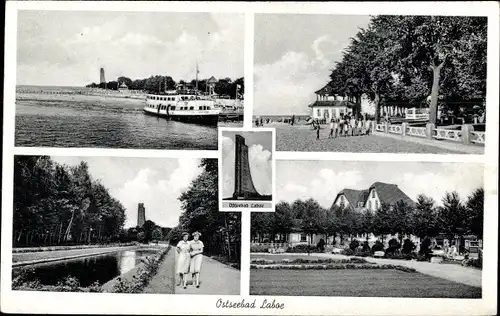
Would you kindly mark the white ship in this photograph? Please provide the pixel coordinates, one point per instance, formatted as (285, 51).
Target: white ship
(183, 104)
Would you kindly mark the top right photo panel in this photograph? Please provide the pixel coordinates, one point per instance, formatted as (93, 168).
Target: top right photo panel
(373, 84)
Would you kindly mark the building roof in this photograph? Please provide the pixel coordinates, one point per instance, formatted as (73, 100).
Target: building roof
(212, 80)
(332, 103)
(390, 194)
(327, 89)
(353, 196)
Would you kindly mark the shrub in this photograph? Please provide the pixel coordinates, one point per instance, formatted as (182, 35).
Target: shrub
(477, 263)
(408, 246)
(259, 248)
(321, 245)
(394, 246)
(354, 244)
(425, 247)
(348, 252)
(378, 246)
(361, 253)
(303, 249)
(366, 247)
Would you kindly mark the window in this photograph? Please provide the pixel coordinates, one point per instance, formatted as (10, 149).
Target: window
(370, 205)
(376, 204)
(200, 108)
(191, 107)
(172, 107)
(303, 237)
(318, 112)
(373, 193)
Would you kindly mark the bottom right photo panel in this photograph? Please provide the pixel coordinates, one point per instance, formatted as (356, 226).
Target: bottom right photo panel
(371, 229)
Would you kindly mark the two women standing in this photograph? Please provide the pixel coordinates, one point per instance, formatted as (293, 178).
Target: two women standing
(189, 258)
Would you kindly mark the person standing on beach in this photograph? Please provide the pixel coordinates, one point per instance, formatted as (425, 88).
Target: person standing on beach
(317, 131)
(293, 119)
(196, 258)
(183, 259)
(331, 128)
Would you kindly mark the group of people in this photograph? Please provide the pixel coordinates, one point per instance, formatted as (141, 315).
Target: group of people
(345, 126)
(189, 258)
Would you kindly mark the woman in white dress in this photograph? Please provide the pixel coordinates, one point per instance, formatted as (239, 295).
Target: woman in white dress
(196, 257)
(184, 259)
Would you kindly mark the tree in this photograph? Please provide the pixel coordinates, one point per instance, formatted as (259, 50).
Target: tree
(453, 217)
(313, 218)
(401, 219)
(475, 213)
(157, 234)
(381, 221)
(141, 237)
(424, 219)
(366, 224)
(283, 220)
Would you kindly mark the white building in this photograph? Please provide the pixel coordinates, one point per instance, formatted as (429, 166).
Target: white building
(329, 105)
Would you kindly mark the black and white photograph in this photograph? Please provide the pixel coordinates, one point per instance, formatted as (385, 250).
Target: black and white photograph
(145, 80)
(372, 83)
(80, 225)
(371, 229)
(246, 168)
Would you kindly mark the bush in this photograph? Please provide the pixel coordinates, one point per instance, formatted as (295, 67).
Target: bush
(259, 248)
(408, 246)
(378, 246)
(394, 246)
(476, 263)
(361, 253)
(321, 244)
(303, 249)
(348, 252)
(354, 244)
(366, 247)
(425, 248)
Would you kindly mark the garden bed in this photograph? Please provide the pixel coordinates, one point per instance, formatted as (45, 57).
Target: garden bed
(332, 266)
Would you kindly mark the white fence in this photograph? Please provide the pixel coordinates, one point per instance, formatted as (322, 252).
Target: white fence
(465, 135)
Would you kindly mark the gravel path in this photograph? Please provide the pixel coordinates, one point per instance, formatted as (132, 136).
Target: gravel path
(304, 139)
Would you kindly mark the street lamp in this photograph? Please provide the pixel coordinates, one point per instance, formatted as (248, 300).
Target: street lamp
(90, 234)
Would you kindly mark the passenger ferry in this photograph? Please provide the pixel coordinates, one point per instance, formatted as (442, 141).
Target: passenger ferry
(183, 104)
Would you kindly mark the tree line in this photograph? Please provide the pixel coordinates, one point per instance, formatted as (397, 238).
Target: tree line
(404, 59)
(59, 204)
(224, 86)
(221, 231)
(454, 218)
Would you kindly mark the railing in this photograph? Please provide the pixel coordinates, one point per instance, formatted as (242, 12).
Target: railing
(416, 131)
(395, 129)
(478, 137)
(448, 134)
(380, 127)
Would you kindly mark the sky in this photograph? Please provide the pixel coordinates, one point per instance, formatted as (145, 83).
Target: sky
(323, 180)
(259, 157)
(294, 55)
(69, 47)
(156, 182)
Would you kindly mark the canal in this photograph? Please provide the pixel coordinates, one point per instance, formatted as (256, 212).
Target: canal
(87, 270)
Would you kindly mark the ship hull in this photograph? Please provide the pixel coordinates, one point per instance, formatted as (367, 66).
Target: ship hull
(204, 119)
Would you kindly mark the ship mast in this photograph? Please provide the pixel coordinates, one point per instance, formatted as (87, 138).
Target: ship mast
(197, 71)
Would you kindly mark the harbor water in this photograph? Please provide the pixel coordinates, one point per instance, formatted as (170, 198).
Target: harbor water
(97, 122)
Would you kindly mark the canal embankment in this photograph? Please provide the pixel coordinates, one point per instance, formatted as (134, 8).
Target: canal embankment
(35, 257)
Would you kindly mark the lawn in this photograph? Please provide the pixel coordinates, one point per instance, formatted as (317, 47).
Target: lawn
(285, 256)
(357, 283)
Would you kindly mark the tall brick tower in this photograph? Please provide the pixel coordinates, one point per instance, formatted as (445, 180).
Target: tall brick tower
(243, 184)
(141, 215)
(102, 79)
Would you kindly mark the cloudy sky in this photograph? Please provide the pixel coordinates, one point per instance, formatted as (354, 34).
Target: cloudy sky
(322, 180)
(294, 55)
(156, 182)
(259, 156)
(69, 47)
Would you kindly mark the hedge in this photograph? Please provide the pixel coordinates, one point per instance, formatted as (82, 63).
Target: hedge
(307, 261)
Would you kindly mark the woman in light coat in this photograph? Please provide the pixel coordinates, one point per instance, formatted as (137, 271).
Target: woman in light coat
(196, 250)
(183, 258)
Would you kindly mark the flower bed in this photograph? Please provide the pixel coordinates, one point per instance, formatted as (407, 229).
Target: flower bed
(54, 248)
(307, 261)
(330, 266)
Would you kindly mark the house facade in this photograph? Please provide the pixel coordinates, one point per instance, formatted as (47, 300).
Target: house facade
(329, 105)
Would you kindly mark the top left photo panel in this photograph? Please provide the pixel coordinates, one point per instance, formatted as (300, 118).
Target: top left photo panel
(134, 80)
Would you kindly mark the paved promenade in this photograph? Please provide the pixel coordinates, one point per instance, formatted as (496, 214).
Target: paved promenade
(303, 138)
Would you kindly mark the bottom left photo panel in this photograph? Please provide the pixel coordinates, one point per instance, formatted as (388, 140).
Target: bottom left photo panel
(122, 225)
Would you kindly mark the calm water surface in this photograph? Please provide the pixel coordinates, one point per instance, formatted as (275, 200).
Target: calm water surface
(87, 270)
(81, 124)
